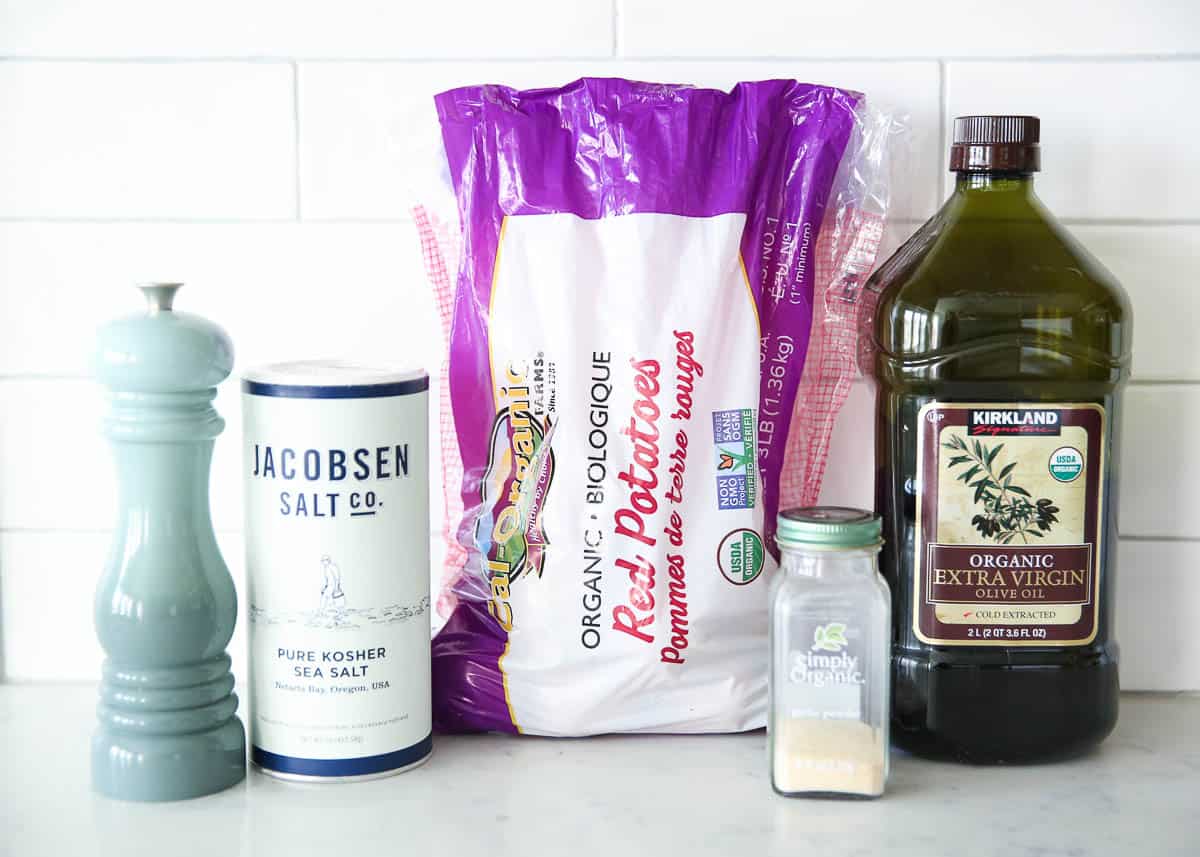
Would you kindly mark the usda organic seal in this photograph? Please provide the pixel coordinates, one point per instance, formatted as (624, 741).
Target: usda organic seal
(1066, 463)
(740, 556)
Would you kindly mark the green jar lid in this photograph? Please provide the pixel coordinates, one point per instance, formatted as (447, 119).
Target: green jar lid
(828, 528)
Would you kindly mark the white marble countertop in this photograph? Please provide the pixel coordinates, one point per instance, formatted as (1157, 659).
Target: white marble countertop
(1138, 796)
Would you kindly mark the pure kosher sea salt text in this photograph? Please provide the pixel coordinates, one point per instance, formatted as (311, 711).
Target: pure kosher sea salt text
(330, 663)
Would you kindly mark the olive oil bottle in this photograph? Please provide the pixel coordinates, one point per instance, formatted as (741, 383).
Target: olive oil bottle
(999, 348)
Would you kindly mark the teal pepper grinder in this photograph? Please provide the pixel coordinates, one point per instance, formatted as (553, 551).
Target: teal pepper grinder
(165, 605)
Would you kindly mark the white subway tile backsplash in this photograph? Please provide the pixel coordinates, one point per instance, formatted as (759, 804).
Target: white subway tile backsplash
(244, 125)
(1157, 593)
(47, 587)
(1159, 266)
(284, 291)
(370, 139)
(45, 489)
(105, 140)
(44, 576)
(850, 470)
(369, 136)
(864, 28)
(283, 28)
(1158, 471)
(1118, 138)
(58, 469)
(47, 581)
(266, 282)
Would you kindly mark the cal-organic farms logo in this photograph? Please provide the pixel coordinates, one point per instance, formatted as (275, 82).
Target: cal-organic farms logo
(512, 493)
(740, 556)
(830, 638)
(734, 449)
(1008, 510)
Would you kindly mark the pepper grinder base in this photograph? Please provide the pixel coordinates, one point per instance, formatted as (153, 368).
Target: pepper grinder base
(168, 767)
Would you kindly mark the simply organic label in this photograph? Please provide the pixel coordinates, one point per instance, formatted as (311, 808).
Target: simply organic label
(826, 672)
(1008, 524)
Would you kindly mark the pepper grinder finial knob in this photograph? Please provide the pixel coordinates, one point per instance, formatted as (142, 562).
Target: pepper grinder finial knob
(160, 297)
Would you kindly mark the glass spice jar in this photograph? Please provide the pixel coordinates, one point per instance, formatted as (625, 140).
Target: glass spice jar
(830, 656)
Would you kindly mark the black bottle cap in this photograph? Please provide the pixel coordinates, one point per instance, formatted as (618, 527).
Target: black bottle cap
(996, 144)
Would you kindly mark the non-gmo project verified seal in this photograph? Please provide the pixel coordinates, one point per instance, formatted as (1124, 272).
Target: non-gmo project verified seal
(733, 439)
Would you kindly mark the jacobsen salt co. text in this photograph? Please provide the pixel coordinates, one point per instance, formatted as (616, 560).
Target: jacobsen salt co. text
(329, 465)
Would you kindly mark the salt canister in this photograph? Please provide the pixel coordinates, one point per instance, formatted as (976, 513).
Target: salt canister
(337, 557)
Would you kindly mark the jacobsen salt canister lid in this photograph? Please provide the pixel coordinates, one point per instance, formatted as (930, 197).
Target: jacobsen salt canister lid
(333, 379)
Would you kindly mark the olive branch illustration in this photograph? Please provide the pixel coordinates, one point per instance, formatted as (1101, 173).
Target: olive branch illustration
(1008, 512)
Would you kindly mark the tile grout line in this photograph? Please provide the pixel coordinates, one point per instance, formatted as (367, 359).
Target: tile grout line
(943, 121)
(616, 29)
(1132, 383)
(1182, 56)
(67, 220)
(436, 531)
(1160, 539)
(65, 377)
(151, 221)
(1128, 221)
(296, 137)
(93, 531)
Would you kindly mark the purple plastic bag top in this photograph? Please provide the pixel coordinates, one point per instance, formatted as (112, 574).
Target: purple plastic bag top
(630, 320)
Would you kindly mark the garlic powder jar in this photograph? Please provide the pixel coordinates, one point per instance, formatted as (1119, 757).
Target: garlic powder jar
(830, 651)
